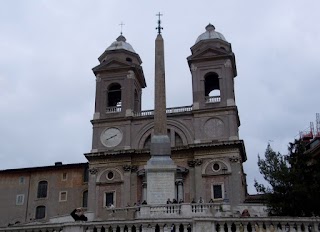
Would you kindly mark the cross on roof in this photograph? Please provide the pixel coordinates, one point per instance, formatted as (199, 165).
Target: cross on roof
(121, 24)
(159, 28)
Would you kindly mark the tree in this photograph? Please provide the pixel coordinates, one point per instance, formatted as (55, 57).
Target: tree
(294, 181)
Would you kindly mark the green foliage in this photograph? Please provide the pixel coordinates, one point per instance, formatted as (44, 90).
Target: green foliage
(294, 181)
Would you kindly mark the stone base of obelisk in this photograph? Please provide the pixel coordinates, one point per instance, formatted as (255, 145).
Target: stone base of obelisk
(160, 172)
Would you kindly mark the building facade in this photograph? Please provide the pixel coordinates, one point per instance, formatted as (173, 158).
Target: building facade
(38, 194)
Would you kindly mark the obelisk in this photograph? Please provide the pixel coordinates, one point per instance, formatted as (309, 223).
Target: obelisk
(160, 168)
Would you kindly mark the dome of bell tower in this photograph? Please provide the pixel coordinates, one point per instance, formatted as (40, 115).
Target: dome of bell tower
(120, 43)
(210, 33)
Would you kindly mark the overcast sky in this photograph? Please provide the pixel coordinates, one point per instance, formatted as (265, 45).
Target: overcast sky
(48, 48)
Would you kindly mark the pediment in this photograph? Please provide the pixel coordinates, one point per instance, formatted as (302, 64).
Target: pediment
(112, 64)
(210, 52)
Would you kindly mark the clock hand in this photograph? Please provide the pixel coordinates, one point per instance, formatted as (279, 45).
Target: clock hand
(111, 137)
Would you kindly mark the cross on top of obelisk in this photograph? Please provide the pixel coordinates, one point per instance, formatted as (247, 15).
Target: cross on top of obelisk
(121, 25)
(159, 28)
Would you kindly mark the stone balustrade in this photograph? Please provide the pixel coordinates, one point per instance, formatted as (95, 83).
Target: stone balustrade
(215, 217)
(197, 224)
(171, 110)
(213, 99)
(113, 109)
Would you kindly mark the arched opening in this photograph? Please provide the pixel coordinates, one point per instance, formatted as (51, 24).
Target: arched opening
(212, 87)
(114, 95)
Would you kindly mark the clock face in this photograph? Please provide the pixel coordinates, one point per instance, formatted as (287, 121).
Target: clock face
(111, 137)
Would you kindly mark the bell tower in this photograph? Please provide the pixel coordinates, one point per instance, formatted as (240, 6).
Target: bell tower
(120, 80)
(119, 84)
(213, 68)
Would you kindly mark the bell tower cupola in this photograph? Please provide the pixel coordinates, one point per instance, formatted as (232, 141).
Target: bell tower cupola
(119, 81)
(213, 67)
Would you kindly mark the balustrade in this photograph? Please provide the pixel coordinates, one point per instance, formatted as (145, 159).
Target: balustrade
(213, 99)
(168, 111)
(229, 224)
(113, 109)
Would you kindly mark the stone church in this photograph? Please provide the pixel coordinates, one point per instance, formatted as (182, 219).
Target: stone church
(141, 160)
(204, 141)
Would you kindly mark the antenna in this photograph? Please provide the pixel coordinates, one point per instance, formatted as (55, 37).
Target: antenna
(318, 125)
(311, 128)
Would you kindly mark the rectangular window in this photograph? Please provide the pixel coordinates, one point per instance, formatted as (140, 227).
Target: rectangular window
(109, 199)
(63, 196)
(21, 180)
(20, 199)
(64, 176)
(85, 199)
(217, 191)
(42, 189)
(86, 174)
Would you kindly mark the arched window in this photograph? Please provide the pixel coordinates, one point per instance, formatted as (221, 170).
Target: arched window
(212, 87)
(114, 95)
(40, 212)
(42, 189)
(85, 199)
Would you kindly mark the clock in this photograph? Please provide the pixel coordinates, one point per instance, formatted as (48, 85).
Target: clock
(111, 137)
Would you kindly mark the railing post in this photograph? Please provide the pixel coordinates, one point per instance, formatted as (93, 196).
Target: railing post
(316, 226)
(229, 225)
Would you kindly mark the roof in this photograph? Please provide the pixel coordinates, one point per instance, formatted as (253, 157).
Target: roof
(58, 165)
(120, 43)
(210, 33)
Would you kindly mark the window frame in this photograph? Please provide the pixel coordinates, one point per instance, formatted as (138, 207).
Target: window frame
(40, 195)
(60, 196)
(85, 201)
(105, 198)
(22, 199)
(21, 180)
(37, 212)
(222, 191)
(64, 176)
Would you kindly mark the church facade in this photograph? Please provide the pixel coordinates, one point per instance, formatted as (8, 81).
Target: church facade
(204, 138)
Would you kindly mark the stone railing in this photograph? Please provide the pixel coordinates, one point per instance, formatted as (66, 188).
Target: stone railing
(213, 99)
(174, 217)
(113, 109)
(171, 110)
(197, 224)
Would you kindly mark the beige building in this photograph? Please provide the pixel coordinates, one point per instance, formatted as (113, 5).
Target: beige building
(40, 193)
